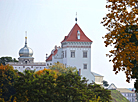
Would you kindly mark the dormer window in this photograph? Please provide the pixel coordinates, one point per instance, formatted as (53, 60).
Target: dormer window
(78, 34)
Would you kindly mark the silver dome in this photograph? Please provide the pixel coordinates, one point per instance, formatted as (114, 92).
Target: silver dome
(25, 51)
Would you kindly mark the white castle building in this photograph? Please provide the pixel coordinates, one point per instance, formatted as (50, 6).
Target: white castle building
(26, 61)
(75, 51)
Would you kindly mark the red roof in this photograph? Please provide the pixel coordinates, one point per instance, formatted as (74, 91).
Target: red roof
(50, 57)
(72, 36)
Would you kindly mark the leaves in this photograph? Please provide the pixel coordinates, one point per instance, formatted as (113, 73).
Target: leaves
(3, 60)
(7, 79)
(61, 68)
(47, 85)
(121, 22)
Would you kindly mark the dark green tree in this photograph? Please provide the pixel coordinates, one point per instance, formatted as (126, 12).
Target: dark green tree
(43, 86)
(35, 88)
(105, 95)
(3, 60)
(71, 88)
(105, 83)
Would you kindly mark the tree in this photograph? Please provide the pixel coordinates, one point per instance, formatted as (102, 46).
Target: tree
(121, 23)
(3, 60)
(71, 88)
(35, 87)
(105, 83)
(60, 67)
(7, 80)
(44, 85)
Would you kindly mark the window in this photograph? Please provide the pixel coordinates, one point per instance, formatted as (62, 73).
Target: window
(50, 63)
(84, 66)
(65, 54)
(84, 54)
(72, 54)
(47, 64)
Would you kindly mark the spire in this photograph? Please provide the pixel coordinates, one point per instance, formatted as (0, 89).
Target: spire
(26, 38)
(76, 17)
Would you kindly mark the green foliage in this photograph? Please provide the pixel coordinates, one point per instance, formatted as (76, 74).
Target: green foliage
(68, 87)
(7, 79)
(105, 83)
(62, 68)
(46, 85)
(35, 88)
(7, 59)
(117, 96)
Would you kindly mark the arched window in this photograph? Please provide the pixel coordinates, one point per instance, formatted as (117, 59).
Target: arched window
(27, 68)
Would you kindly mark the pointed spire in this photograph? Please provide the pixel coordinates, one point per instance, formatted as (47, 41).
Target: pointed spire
(26, 38)
(76, 17)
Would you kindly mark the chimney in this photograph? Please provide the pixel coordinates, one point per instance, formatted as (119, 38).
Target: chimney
(79, 71)
(46, 55)
(55, 47)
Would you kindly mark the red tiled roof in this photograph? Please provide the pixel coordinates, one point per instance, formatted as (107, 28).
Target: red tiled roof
(72, 36)
(50, 57)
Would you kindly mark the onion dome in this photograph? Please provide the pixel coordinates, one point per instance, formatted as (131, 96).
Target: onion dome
(25, 51)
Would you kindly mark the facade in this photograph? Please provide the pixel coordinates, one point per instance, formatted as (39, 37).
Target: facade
(75, 51)
(98, 78)
(26, 61)
(130, 95)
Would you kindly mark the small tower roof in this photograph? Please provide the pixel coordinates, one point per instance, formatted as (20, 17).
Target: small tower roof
(72, 36)
(26, 51)
(50, 57)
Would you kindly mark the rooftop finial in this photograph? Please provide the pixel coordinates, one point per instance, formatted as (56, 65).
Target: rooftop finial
(26, 38)
(76, 17)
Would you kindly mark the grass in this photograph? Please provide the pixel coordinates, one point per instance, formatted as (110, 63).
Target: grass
(117, 96)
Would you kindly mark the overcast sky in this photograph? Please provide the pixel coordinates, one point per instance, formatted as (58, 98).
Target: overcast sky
(47, 22)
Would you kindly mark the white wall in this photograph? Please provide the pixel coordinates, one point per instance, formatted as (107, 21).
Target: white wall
(21, 68)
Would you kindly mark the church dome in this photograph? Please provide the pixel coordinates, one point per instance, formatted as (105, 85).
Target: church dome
(25, 51)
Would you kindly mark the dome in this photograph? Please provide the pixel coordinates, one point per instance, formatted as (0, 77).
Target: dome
(25, 51)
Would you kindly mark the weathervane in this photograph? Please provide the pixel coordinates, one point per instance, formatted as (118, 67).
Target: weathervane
(76, 17)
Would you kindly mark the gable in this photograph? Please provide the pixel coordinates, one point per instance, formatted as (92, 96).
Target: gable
(112, 87)
(72, 36)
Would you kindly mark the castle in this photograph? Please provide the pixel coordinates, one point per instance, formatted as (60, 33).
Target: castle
(75, 51)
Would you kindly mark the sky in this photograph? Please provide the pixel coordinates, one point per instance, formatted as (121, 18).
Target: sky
(47, 22)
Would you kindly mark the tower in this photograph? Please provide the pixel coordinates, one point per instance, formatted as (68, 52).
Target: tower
(26, 61)
(75, 51)
(25, 54)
